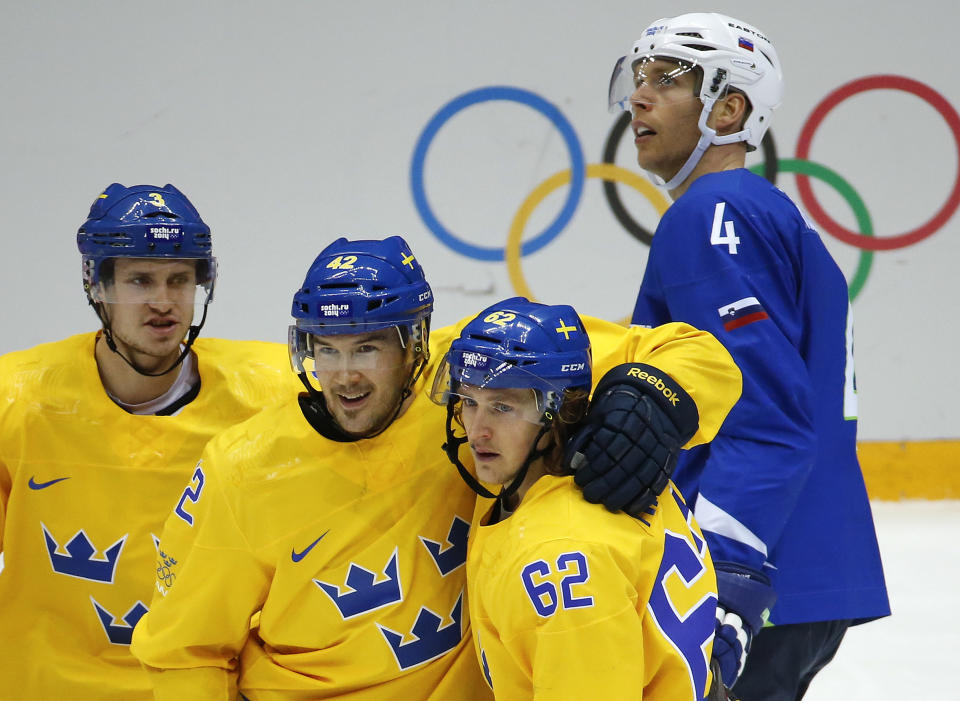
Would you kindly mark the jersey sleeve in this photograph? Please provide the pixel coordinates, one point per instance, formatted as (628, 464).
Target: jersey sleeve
(727, 270)
(694, 358)
(209, 584)
(571, 612)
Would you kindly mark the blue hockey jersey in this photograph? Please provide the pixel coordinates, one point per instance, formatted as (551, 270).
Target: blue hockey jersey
(780, 488)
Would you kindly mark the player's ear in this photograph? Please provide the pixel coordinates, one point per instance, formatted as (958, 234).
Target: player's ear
(729, 113)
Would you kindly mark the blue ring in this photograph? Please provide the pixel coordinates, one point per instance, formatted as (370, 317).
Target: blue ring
(511, 94)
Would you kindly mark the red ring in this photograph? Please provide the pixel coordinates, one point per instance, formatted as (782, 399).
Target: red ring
(877, 82)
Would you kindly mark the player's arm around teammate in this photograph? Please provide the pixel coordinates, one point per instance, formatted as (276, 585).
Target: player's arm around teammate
(318, 517)
(567, 600)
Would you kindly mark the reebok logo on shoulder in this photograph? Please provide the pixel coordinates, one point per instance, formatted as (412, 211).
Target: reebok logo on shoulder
(33, 484)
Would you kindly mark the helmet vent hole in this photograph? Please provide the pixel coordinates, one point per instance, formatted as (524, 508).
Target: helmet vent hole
(696, 35)
(699, 47)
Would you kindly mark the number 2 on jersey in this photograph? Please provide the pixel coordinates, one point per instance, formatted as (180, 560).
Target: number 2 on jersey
(191, 494)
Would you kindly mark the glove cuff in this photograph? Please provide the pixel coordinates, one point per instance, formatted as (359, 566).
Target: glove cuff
(746, 593)
(673, 399)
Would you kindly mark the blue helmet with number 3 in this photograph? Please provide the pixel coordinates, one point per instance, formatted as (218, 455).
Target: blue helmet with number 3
(143, 221)
(517, 343)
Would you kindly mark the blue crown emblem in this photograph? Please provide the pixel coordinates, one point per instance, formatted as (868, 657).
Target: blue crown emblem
(362, 592)
(80, 561)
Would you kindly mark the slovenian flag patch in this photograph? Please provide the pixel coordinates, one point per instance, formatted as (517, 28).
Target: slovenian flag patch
(742, 312)
(745, 43)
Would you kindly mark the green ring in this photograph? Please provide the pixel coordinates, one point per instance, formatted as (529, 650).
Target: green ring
(846, 191)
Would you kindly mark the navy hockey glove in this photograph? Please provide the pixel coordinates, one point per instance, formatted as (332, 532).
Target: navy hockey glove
(626, 448)
(744, 600)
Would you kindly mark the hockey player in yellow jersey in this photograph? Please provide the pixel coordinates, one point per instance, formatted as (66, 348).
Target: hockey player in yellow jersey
(319, 551)
(98, 433)
(568, 601)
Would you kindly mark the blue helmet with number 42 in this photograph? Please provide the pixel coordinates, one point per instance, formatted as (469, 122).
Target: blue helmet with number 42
(362, 286)
(519, 344)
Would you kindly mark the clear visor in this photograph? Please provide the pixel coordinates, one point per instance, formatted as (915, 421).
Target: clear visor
(647, 79)
(500, 391)
(161, 283)
(378, 349)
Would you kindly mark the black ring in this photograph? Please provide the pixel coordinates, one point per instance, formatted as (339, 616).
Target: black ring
(771, 167)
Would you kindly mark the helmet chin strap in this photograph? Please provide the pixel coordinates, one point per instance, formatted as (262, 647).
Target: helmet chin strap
(452, 449)
(192, 334)
(708, 137)
(421, 352)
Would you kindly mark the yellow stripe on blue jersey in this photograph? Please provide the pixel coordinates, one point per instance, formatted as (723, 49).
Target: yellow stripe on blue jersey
(569, 601)
(84, 490)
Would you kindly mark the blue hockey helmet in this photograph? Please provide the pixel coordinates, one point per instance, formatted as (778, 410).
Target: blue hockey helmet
(520, 344)
(361, 286)
(144, 221)
(516, 344)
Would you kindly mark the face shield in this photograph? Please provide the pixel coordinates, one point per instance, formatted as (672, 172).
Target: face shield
(318, 349)
(647, 79)
(480, 385)
(178, 286)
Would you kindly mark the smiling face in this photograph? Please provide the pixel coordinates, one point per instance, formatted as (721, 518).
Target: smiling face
(362, 377)
(501, 426)
(665, 114)
(150, 305)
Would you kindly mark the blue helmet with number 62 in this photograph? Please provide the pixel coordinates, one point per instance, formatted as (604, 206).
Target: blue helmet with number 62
(520, 344)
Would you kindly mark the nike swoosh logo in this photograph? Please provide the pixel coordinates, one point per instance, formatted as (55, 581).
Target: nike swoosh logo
(297, 556)
(33, 484)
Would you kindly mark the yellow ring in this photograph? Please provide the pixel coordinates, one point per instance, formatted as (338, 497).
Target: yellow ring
(604, 171)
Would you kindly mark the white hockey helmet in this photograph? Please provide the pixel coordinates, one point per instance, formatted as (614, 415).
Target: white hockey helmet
(730, 54)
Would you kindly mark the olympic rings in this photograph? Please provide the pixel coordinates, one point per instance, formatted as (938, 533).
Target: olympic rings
(510, 94)
(877, 82)
(846, 191)
(608, 172)
(633, 227)
(611, 174)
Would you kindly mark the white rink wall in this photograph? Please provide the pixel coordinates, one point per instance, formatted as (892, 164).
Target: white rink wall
(290, 123)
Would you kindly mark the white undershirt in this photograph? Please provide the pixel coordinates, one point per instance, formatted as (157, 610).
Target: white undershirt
(186, 379)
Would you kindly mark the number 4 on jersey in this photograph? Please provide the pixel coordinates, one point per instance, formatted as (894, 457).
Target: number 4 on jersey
(722, 232)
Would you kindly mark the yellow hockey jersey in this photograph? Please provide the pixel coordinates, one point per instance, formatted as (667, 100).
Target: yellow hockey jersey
(348, 556)
(84, 490)
(569, 601)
